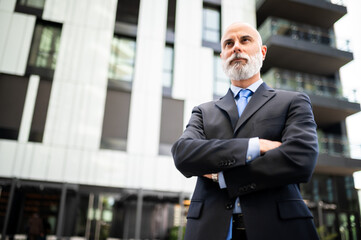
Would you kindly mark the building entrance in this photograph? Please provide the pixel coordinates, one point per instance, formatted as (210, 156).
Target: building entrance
(22, 201)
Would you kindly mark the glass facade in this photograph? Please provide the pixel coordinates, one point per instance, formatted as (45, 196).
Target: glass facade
(211, 24)
(89, 212)
(168, 64)
(221, 82)
(171, 125)
(104, 213)
(171, 15)
(334, 204)
(33, 7)
(116, 119)
(40, 111)
(45, 46)
(122, 59)
(338, 2)
(304, 82)
(32, 3)
(304, 32)
(333, 144)
(12, 93)
(128, 11)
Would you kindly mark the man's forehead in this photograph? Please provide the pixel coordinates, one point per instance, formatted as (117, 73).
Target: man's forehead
(238, 30)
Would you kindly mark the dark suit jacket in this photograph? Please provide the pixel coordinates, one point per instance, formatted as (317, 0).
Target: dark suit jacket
(217, 140)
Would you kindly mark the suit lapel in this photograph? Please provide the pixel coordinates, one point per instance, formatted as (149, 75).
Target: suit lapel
(228, 105)
(262, 95)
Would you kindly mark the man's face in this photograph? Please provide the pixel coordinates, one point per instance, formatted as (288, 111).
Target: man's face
(242, 53)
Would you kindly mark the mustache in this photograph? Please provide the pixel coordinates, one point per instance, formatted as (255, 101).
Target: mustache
(237, 55)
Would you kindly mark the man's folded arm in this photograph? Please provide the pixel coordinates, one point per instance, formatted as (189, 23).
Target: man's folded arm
(194, 155)
(292, 162)
(253, 152)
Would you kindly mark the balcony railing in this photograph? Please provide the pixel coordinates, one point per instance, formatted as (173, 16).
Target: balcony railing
(333, 144)
(336, 2)
(303, 32)
(303, 82)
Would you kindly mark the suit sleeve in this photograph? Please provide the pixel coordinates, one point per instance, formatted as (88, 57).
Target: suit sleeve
(194, 155)
(291, 163)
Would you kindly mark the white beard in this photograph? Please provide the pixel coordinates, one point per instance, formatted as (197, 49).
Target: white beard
(237, 71)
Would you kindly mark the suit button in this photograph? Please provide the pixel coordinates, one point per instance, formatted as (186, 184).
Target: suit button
(229, 206)
(253, 186)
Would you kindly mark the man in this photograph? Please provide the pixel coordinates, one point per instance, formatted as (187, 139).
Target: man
(35, 227)
(250, 152)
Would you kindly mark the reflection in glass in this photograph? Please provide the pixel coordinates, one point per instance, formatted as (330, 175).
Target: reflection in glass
(343, 226)
(122, 58)
(211, 24)
(33, 3)
(45, 46)
(221, 81)
(168, 67)
(301, 32)
(303, 82)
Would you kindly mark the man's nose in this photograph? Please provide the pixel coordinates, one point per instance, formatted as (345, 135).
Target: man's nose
(237, 47)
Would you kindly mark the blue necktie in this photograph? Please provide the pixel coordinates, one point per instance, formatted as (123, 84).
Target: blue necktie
(242, 100)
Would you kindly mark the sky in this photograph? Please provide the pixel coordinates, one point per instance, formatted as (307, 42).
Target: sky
(348, 28)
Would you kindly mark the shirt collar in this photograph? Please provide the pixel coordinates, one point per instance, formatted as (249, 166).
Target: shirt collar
(253, 87)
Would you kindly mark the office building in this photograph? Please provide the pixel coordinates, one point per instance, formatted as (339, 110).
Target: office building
(93, 93)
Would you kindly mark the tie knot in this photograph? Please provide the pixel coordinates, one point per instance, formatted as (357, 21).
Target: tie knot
(244, 93)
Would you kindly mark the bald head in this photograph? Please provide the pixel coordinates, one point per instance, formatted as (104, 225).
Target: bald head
(246, 28)
(242, 54)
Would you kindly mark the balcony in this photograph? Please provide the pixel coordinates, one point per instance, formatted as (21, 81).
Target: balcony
(333, 144)
(334, 155)
(329, 104)
(303, 47)
(324, 12)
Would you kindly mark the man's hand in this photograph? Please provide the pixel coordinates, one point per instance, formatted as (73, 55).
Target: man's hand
(266, 145)
(212, 176)
(208, 176)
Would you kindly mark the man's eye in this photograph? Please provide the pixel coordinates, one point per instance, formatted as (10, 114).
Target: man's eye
(228, 43)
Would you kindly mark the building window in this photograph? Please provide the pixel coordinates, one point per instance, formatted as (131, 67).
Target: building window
(12, 99)
(221, 81)
(40, 111)
(116, 119)
(168, 68)
(211, 24)
(171, 20)
(171, 124)
(128, 11)
(44, 49)
(121, 66)
(34, 7)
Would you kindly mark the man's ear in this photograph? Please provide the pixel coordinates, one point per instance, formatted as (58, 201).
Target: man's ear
(264, 51)
(220, 54)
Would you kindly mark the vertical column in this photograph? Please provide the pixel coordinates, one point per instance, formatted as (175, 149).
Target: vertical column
(59, 228)
(77, 98)
(8, 5)
(29, 106)
(14, 182)
(15, 39)
(138, 216)
(193, 64)
(181, 203)
(145, 107)
(238, 10)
